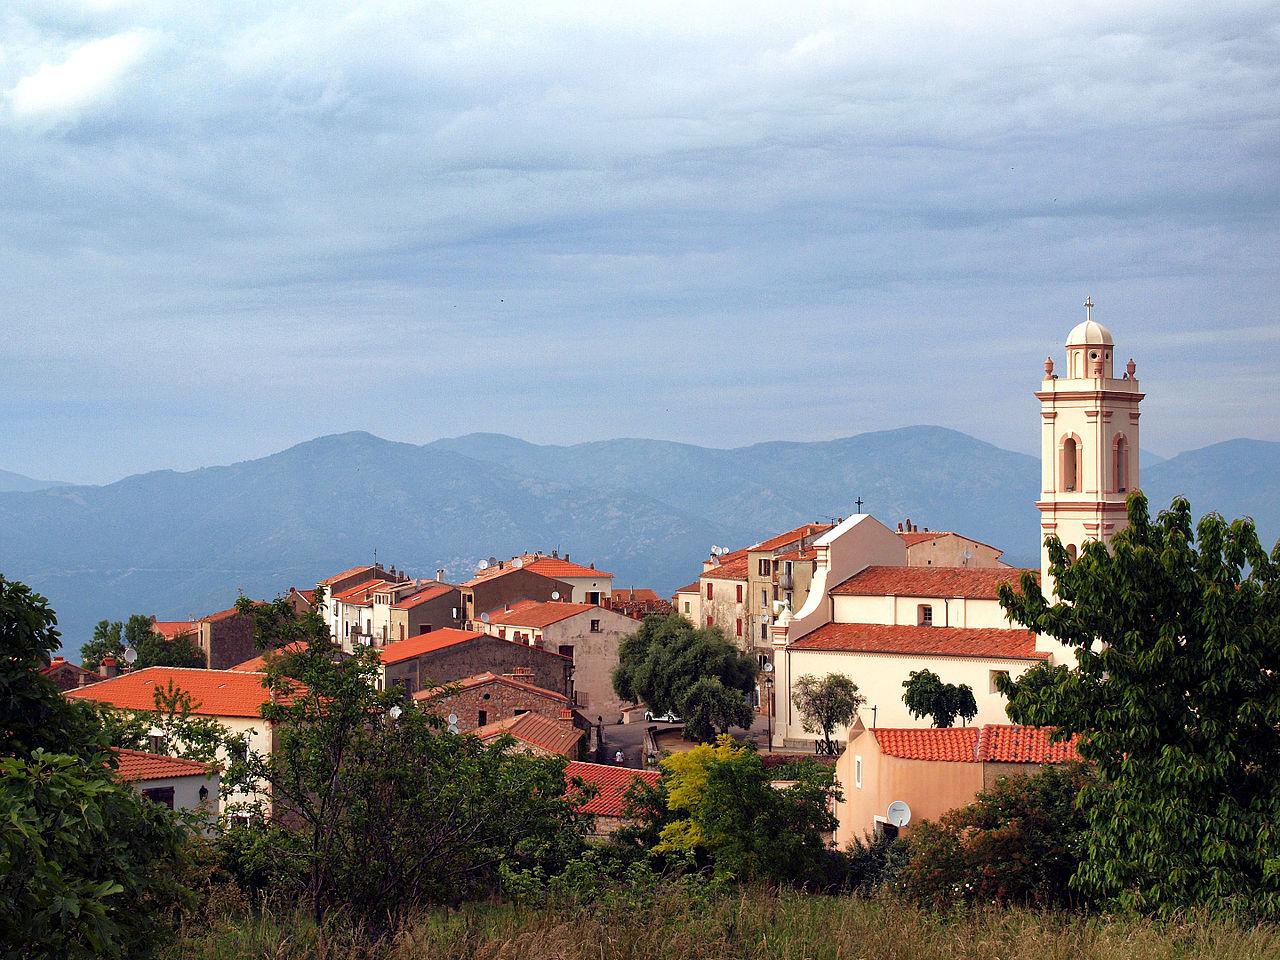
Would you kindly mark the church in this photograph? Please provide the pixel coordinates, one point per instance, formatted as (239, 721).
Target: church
(870, 615)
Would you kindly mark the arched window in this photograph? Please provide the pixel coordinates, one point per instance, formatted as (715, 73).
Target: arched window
(1071, 552)
(1070, 464)
(1122, 463)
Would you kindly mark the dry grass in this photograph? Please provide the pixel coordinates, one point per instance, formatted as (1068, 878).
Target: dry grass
(753, 926)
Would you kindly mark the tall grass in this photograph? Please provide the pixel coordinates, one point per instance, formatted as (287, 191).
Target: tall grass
(751, 926)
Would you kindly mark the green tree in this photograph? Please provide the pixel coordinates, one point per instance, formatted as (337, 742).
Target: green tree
(375, 809)
(1176, 695)
(826, 704)
(709, 707)
(182, 732)
(1018, 843)
(662, 663)
(927, 696)
(87, 867)
(107, 641)
(725, 812)
(156, 650)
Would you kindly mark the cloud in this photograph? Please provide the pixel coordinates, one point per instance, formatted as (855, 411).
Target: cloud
(87, 76)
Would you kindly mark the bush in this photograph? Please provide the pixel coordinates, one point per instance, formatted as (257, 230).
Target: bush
(1018, 843)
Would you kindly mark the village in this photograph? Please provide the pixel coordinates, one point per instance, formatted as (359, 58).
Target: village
(525, 652)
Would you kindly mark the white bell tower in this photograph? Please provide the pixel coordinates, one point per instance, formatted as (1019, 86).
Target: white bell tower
(1089, 445)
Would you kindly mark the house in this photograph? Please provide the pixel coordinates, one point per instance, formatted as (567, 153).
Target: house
(538, 735)
(779, 571)
(176, 784)
(66, 675)
(942, 548)
(687, 601)
(587, 634)
(225, 637)
(448, 655)
(931, 770)
(722, 597)
(488, 697)
(500, 585)
(428, 605)
(300, 601)
(233, 698)
(639, 603)
(610, 785)
(344, 582)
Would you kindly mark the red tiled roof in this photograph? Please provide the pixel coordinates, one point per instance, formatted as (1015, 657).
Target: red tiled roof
(640, 595)
(362, 595)
(1009, 743)
(259, 663)
(363, 568)
(985, 642)
(992, 743)
(611, 783)
(538, 614)
(807, 530)
(971, 583)
(559, 568)
(912, 537)
(691, 588)
(808, 553)
(214, 693)
(430, 592)
(169, 629)
(134, 765)
(537, 730)
(61, 663)
(732, 566)
(225, 614)
(480, 679)
(424, 643)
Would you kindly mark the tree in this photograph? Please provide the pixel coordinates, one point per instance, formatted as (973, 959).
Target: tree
(1018, 843)
(928, 696)
(375, 808)
(662, 662)
(87, 867)
(1175, 693)
(107, 641)
(183, 733)
(724, 811)
(826, 704)
(710, 708)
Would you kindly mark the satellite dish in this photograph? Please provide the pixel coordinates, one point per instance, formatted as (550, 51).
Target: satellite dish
(517, 563)
(899, 813)
(482, 565)
(768, 666)
(493, 561)
(484, 618)
(131, 656)
(555, 594)
(453, 719)
(453, 728)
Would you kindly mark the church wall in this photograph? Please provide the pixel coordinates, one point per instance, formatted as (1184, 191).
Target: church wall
(947, 611)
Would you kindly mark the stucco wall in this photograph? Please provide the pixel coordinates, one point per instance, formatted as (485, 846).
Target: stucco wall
(948, 550)
(186, 792)
(947, 611)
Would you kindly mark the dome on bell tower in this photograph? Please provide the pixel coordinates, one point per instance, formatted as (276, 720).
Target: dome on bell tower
(1089, 333)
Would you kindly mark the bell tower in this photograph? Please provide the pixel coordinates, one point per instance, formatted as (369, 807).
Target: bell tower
(1089, 442)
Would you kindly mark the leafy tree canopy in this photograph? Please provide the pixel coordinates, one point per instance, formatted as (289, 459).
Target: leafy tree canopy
(927, 696)
(1176, 694)
(154, 650)
(662, 663)
(826, 703)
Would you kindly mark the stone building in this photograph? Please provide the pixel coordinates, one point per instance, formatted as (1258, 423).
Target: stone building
(447, 655)
(489, 697)
(501, 586)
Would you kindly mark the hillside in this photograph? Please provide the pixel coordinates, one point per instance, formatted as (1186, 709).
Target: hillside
(182, 544)
(16, 483)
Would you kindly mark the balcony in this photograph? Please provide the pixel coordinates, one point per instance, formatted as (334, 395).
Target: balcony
(786, 581)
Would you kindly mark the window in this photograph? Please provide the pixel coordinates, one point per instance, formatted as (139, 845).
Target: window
(710, 589)
(857, 772)
(424, 628)
(156, 743)
(686, 607)
(710, 622)
(502, 633)
(924, 615)
(593, 598)
(595, 626)
(519, 712)
(995, 676)
(764, 631)
(765, 568)
(566, 650)
(482, 718)
(1122, 464)
(1070, 465)
(764, 598)
(1071, 552)
(787, 568)
(762, 659)
(160, 795)
(737, 627)
(739, 594)
(789, 604)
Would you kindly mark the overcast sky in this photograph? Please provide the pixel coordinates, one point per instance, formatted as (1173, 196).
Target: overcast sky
(223, 232)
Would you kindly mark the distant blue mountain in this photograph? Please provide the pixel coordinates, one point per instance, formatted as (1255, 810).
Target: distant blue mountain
(17, 483)
(184, 544)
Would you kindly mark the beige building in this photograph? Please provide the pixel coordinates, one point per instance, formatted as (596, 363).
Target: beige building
(942, 548)
(588, 635)
(585, 584)
(779, 571)
(931, 771)
(177, 784)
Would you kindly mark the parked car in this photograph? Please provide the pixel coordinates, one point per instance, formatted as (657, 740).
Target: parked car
(668, 717)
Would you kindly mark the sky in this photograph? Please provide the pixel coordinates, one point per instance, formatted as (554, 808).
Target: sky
(228, 228)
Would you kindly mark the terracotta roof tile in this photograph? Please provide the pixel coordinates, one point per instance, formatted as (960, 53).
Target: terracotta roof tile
(640, 595)
(430, 592)
(536, 730)
(987, 643)
(363, 568)
(611, 782)
(732, 566)
(912, 537)
(134, 765)
(559, 568)
(690, 588)
(806, 530)
(537, 614)
(362, 595)
(169, 629)
(992, 743)
(425, 643)
(480, 679)
(971, 583)
(259, 663)
(215, 693)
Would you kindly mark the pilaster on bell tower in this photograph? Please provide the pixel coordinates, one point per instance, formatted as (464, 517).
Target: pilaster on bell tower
(1089, 442)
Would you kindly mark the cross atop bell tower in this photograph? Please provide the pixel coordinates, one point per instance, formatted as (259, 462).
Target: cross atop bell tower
(1089, 442)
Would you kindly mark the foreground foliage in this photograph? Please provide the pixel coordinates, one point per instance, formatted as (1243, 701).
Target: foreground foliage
(1176, 695)
(671, 922)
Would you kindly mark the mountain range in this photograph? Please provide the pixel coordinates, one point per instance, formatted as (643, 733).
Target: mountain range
(185, 544)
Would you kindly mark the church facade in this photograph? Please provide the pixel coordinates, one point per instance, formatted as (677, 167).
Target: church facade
(873, 618)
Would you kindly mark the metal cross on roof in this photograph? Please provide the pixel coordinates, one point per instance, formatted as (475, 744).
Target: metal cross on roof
(858, 504)
(1088, 308)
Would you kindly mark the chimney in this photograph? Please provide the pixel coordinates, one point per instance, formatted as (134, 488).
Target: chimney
(908, 524)
(592, 564)
(900, 526)
(566, 558)
(440, 575)
(57, 661)
(108, 666)
(555, 554)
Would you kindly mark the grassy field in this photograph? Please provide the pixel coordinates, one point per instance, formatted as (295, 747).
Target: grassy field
(755, 925)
